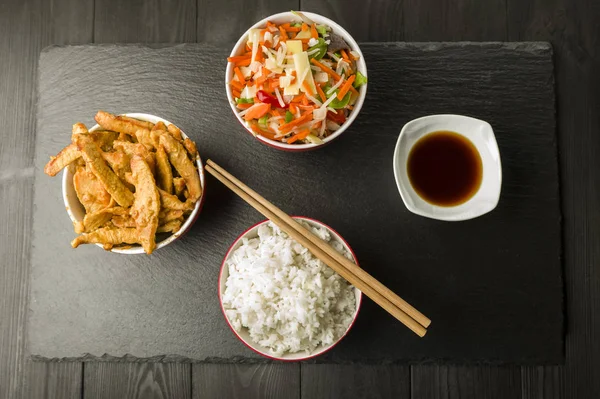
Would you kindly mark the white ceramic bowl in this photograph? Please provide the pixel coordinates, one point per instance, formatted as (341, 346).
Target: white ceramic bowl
(243, 335)
(77, 212)
(289, 17)
(481, 134)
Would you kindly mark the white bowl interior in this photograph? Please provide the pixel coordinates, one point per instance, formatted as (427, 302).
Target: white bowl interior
(481, 134)
(76, 211)
(289, 17)
(244, 335)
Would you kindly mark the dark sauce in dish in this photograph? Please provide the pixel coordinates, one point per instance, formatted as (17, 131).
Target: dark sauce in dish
(445, 168)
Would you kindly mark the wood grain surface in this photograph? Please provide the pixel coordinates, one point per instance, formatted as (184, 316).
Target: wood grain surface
(445, 382)
(54, 380)
(106, 380)
(222, 22)
(366, 21)
(246, 381)
(572, 26)
(357, 381)
(426, 20)
(143, 21)
(25, 28)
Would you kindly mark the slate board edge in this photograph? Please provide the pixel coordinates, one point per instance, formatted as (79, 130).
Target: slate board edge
(528, 45)
(541, 47)
(245, 360)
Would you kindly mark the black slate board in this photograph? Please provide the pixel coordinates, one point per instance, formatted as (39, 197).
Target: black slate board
(492, 286)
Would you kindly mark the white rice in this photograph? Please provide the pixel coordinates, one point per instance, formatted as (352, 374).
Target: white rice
(286, 298)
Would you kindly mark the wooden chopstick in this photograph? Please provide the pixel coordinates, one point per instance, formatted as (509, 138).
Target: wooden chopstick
(360, 273)
(345, 268)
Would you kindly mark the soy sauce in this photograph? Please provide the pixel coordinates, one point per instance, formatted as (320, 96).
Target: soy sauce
(445, 168)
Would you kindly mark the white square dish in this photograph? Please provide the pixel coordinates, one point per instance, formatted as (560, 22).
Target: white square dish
(481, 134)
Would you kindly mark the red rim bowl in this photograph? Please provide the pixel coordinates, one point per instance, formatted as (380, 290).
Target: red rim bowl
(283, 18)
(244, 336)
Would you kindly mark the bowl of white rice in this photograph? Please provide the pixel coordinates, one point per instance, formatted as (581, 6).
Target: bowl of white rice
(279, 299)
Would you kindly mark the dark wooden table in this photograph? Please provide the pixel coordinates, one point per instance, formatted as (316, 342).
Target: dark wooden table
(27, 26)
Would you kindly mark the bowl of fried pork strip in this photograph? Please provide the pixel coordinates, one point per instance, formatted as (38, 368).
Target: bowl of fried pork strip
(133, 183)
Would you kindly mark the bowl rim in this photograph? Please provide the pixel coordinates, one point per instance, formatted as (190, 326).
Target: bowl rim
(264, 354)
(362, 66)
(189, 221)
(459, 212)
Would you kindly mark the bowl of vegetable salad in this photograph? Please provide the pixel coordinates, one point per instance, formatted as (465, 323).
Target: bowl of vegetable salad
(296, 81)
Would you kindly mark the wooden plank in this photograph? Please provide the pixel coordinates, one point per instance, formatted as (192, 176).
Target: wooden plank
(49, 380)
(26, 26)
(434, 20)
(245, 381)
(15, 230)
(542, 382)
(374, 21)
(457, 382)
(141, 21)
(224, 22)
(136, 380)
(572, 28)
(355, 381)
(450, 20)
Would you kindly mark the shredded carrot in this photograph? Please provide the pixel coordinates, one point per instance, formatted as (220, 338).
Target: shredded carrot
(261, 132)
(353, 90)
(296, 122)
(267, 87)
(284, 35)
(258, 111)
(248, 48)
(236, 93)
(353, 57)
(307, 88)
(304, 46)
(304, 27)
(298, 98)
(313, 31)
(237, 85)
(263, 31)
(350, 107)
(321, 93)
(299, 136)
(244, 106)
(290, 28)
(306, 108)
(275, 112)
(244, 63)
(239, 74)
(304, 100)
(344, 55)
(259, 56)
(271, 24)
(238, 58)
(293, 108)
(261, 80)
(345, 87)
(274, 82)
(329, 71)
